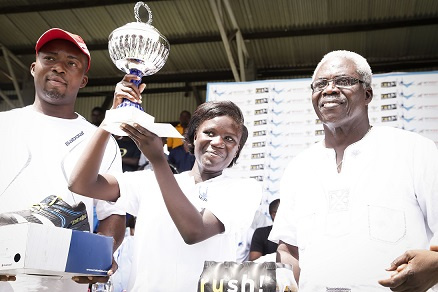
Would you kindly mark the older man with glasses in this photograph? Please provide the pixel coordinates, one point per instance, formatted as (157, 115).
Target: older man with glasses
(359, 210)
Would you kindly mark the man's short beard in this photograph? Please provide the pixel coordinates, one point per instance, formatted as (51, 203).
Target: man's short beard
(54, 94)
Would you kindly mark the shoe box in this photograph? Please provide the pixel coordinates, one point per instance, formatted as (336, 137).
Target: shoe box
(36, 249)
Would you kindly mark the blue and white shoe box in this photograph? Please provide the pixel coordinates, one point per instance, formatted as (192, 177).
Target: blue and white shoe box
(36, 249)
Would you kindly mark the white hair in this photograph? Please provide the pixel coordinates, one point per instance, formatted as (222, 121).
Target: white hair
(363, 69)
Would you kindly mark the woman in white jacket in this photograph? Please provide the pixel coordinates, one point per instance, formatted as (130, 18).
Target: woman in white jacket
(182, 219)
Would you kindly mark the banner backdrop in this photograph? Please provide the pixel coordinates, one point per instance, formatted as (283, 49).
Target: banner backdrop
(281, 121)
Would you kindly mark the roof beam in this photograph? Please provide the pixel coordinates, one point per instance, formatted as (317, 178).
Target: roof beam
(38, 7)
(281, 33)
(12, 73)
(214, 4)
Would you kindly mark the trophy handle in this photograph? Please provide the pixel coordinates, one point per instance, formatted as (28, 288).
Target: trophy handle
(137, 17)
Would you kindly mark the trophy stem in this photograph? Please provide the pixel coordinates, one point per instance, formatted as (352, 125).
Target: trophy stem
(137, 72)
(127, 102)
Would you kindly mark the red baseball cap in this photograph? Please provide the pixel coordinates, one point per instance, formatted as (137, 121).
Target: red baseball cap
(57, 33)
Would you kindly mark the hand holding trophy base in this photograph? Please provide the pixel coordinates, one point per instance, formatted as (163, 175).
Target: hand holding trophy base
(130, 115)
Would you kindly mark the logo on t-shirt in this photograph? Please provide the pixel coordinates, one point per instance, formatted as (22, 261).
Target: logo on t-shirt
(203, 193)
(123, 151)
(74, 138)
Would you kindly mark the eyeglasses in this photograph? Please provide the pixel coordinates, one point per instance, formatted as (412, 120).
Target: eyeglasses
(338, 81)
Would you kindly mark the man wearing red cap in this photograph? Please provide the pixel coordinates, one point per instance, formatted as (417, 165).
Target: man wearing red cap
(44, 141)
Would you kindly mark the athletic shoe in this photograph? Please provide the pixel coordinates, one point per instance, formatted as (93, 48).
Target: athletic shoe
(53, 211)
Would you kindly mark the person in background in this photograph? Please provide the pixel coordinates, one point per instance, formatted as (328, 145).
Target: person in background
(44, 141)
(354, 202)
(260, 245)
(130, 153)
(97, 115)
(182, 219)
(179, 156)
(184, 119)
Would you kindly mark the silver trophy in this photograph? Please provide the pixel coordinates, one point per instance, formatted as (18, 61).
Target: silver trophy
(136, 48)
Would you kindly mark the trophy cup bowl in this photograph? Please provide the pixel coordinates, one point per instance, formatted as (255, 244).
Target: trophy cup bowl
(136, 48)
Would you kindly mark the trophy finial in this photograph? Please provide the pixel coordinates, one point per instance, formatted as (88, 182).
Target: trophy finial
(137, 16)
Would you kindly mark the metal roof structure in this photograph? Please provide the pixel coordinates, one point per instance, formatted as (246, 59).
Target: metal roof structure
(224, 40)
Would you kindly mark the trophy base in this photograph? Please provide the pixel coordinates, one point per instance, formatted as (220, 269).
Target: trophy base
(130, 115)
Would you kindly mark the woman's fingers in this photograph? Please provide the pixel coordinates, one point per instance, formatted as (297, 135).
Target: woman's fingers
(126, 89)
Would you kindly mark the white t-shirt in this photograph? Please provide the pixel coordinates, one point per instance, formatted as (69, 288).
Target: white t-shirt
(162, 261)
(38, 155)
(350, 226)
